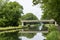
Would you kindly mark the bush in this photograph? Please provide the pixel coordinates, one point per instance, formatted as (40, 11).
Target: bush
(9, 36)
(54, 35)
(51, 27)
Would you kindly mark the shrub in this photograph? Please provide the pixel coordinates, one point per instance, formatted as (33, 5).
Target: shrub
(54, 35)
(9, 36)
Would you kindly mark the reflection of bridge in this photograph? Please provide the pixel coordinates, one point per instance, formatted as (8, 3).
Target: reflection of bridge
(33, 31)
(20, 30)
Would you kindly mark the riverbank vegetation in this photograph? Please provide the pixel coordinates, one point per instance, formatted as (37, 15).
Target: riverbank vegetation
(53, 34)
(10, 13)
(10, 16)
(51, 10)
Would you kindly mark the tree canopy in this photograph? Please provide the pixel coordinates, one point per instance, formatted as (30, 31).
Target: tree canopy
(51, 9)
(3, 2)
(29, 16)
(10, 14)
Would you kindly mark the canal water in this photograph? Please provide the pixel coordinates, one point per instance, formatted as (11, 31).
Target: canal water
(38, 36)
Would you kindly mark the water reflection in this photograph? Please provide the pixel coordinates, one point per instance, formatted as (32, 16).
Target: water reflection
(40, 27)
(38, 36)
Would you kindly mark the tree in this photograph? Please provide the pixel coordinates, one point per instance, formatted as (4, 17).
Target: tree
(9, 36)
(29, 16)
(10, 14)
(54, 35)
(51, 27)
(51, 9)
(3, 2)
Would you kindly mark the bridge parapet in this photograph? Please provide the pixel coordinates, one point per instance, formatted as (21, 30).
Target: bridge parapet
(24, 22)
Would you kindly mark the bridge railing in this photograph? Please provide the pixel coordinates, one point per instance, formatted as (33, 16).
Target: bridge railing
(38, 21)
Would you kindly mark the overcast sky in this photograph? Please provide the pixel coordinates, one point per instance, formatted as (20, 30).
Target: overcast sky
(28, 8)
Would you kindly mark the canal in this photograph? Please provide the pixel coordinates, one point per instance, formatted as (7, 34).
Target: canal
(37, 36)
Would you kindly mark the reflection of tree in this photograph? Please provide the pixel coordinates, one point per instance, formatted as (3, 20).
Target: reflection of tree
(33, 27)
(28, 35)
(44, 28)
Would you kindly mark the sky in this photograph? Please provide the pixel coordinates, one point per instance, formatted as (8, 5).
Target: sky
(29, 8)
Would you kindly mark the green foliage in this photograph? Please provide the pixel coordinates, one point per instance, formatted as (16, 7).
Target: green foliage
(54, 35)
(33, 27)
(29, 16)
(10, 14)
(28, 35)
(9, 36)
(3, 2)
(10, 27)
(51, 9)
(51, 27)
(35, 2)
(44, 28)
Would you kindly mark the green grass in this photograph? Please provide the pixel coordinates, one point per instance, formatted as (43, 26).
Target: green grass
(8, 31)
(10, 27)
